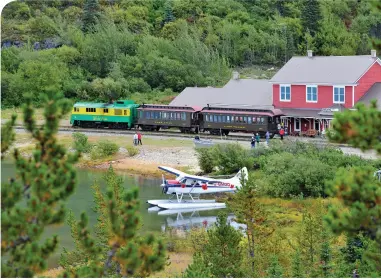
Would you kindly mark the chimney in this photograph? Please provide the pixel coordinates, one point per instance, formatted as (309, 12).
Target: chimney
(309, 53)
(235, 75)
(373, 53)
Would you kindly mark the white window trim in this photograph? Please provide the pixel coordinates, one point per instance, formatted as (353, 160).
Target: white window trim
(317, 93)
(280, 92)
(300, 125)
(333, 94)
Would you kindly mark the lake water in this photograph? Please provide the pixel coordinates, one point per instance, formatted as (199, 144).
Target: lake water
(82, 201)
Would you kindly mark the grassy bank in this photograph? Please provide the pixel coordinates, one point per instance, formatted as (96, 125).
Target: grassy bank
(141, 163)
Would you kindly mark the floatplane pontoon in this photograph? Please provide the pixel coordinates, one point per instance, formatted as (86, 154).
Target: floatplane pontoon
(186, 189)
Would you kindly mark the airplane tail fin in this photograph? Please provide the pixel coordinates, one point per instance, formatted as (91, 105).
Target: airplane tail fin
(243, 173)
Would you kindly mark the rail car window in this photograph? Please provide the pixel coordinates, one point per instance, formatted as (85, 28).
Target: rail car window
(215, 118)
(249, 120)
(254, 120)
(270, 119)
(262, 120)
(206, 117)
(228, 118)
(183, 116)
(105, 110)
(76, 109)
(245, 119)
(224, 118)
(125, 112)
(118, 112)
(90, 110)
(140, 114)
(277, 120)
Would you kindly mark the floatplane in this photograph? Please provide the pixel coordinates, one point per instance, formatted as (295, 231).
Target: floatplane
(186, 189)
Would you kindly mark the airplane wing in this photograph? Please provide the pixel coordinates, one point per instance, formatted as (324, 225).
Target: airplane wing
(183, 174)
(172, 171)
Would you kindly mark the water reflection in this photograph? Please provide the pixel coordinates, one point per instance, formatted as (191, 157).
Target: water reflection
(186, 219)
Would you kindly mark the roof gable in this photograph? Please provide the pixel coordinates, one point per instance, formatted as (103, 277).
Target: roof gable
(324, 69)
(373, 93)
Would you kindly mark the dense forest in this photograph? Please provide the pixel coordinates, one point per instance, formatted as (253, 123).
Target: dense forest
(148, 50)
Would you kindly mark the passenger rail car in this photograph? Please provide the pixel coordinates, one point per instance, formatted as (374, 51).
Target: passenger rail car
(119, 114)
(224, 120)
(155, 117)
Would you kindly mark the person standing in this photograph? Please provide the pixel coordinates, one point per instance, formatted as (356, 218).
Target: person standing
(135, 139)
(253, 142)
(267, 137)
(257, 139)
(139, 138)
(281, 133)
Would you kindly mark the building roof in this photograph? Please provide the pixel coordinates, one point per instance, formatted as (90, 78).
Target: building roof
(331, 110)
(301, 113)
(237, 93)
(196, 96)
(373, 93)
(324, 69)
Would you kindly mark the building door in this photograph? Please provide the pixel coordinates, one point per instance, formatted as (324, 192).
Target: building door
(296, 124)
(317, 125)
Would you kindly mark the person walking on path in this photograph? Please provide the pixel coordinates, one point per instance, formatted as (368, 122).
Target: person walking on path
(139, 138)
(281, 133)
(267, 137)
(253, 142)
(135, 139)
(258, 139)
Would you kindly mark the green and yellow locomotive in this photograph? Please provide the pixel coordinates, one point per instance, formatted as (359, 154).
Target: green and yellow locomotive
(119, 114)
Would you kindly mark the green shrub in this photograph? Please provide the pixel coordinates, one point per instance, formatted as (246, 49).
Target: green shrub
(288, 175)
(80, 142)
(230, 158)
(205, 159)
(103, 149)
(132, 150)
(107, 148)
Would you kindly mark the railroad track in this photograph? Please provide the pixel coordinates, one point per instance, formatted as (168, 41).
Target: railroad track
(172, 134)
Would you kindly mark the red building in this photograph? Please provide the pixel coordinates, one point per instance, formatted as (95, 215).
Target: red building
(310, 89)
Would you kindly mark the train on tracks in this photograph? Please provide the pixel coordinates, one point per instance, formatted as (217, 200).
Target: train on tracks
(126, 114)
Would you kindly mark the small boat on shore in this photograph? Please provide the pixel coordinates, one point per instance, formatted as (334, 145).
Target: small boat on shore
(202, 143)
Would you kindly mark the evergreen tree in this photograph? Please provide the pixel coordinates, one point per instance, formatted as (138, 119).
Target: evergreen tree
(91, 14)
(325, 255)
(116, 249)
(35, 199)
(358, 190)
(311, 16)
(7, 134)
(249, 211)
(168, 12)
(222, 252)
(297, 268)
(197, 269)
(275, 269)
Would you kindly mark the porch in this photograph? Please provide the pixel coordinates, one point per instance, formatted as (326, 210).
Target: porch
(300, 122)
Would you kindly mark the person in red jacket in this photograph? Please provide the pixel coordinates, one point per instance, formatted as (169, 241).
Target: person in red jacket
(281, 133)
(139, 138)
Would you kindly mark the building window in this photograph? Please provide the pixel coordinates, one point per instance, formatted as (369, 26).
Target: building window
(339, 95)
(297, 124)
(285, 93)
(311, 91)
